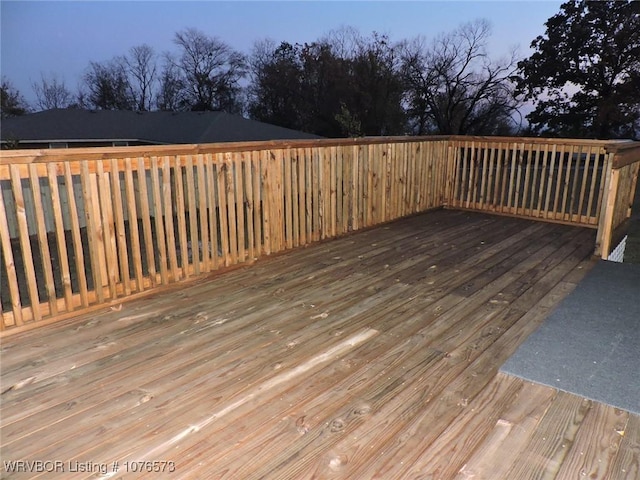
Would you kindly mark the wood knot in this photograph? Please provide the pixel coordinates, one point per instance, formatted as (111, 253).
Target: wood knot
(104, 346)
(338, 462)
(145, 397)
(337, 425)
(301, 425)
(361, 410)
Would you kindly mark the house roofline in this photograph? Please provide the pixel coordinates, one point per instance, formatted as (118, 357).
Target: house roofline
(86, 140)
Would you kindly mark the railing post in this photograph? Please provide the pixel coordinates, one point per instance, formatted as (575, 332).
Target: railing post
(605, 225)
(450, 174)
(623, 162)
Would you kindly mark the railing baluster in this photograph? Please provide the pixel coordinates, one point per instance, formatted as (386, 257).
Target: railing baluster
(193, 252)
(168, 194)
(43, 240)
(250, 204)
(239, 202)
(595, 177)
(80, 270)
(158, 220)
(96, 259)
(205, 245)
(145, 213)
(542, 179)
(63, 257)
(212, 201)
(12, 276)
(133, 224)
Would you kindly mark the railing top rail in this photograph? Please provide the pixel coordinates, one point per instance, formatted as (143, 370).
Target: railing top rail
(625, 153)
(541, 140)
(97, 153)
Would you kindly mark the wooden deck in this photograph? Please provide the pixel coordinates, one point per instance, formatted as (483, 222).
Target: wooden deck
(375, 355)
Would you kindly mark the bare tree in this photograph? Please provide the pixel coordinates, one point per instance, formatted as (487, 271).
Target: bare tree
(210, 71)
(171, 87)
(141, 67)
(51, 92)
(345, 41)
(453, 87)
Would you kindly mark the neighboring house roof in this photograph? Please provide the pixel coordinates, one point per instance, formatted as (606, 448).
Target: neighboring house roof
(84, 126)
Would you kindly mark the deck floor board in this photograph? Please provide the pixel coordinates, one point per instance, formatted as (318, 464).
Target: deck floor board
(374, 355)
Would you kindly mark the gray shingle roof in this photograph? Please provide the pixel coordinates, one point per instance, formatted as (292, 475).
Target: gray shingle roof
(146, 127)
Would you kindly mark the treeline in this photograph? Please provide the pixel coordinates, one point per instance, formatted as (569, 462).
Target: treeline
(350, 84)
(344, 84)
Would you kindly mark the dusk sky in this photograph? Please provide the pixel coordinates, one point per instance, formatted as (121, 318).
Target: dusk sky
(62, 37)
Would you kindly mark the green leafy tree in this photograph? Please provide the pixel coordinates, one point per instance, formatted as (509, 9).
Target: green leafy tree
(584, 77)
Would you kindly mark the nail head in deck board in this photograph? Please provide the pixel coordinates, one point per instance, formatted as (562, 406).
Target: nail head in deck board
(626, 465)
(596, 443)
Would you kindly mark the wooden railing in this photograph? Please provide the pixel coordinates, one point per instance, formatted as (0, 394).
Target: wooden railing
(579, 182)
(559, 181)
(85, 228)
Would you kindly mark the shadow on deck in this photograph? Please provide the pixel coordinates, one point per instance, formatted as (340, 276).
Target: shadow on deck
(375, 355)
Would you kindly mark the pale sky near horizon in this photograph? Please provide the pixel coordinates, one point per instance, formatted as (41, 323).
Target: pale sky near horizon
(62, 37)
